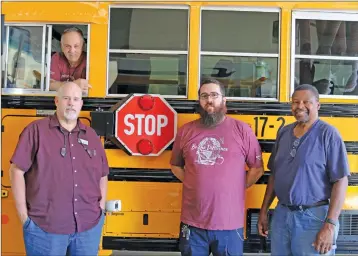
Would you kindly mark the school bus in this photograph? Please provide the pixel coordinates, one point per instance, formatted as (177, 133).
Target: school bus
(164, 48)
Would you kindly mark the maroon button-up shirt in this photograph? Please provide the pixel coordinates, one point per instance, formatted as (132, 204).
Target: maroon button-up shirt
(62, 192)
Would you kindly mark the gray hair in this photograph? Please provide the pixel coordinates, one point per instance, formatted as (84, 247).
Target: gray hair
(307, 87)
(210, 80)
(73, 29)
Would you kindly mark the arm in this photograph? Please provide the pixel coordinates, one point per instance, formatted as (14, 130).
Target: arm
(253, 174)
(325, 236)
(178, 172)
(337, 198)
(83, 83)
(269, 196)
(338, 172)
(19, 190)
(177, 162)
(253, 157)
(21, 162)
(103, 187)
(54, 85)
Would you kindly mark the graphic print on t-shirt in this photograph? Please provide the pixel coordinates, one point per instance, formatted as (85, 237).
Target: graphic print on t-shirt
(209, 150)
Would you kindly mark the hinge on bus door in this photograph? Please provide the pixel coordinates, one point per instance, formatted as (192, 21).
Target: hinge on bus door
(2, 128)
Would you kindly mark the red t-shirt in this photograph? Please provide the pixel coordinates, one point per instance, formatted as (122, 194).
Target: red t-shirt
(62, 71)
(215, 178)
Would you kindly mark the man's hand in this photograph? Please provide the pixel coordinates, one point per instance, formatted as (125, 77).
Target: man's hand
(23, 217)
(262, 224)
(83, 83)
(324, 239)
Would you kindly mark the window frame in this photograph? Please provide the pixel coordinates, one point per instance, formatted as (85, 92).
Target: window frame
(244, 54)
(308, 14)
(158, 52)
(46, 56)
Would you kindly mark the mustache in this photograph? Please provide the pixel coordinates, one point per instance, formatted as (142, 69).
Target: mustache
(300, 110)
(72, 109)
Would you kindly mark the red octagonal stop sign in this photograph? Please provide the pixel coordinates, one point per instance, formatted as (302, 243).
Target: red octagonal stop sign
(145, 124)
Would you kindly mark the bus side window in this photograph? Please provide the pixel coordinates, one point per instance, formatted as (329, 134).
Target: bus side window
(326, 52)
(67, 60)
(241, 49)
(147, 55)
(25, 57)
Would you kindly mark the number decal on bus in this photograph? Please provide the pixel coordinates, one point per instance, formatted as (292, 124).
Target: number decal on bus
(261, 125)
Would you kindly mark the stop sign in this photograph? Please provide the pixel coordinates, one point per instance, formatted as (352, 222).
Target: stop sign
(145, 124)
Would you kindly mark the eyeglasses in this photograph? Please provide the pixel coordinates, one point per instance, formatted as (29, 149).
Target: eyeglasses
(213, 95)
(294, 147)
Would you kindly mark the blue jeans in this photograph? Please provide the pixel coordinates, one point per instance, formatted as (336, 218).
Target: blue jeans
(201, 242)
(293, 232)
(41, 243)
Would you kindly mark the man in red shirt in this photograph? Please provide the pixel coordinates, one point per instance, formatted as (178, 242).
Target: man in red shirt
(59, 181)
(70, 64)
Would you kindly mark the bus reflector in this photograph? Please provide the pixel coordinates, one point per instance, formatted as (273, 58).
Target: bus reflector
(146, 102)
(145, 146)
(4, 219)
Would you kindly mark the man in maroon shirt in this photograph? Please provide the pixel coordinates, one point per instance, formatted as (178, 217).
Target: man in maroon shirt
(70, 64)
(59, 179)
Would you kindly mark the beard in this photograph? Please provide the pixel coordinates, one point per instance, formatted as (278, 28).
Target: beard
(70, 115)
(212, 119)
(303, 118)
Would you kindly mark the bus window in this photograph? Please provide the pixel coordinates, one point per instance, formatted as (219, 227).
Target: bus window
(67, 57)
(30, 57)
(147, 55)
(326, 52)
(244, 58)
(25, 57)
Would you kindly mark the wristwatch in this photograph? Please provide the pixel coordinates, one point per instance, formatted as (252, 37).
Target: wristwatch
(330, 221)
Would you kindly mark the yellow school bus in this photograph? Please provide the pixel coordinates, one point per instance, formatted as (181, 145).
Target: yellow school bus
(259, 50)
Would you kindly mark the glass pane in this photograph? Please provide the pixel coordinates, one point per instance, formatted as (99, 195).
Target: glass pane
(330, 77)
(147, 73)
(4, 45)
(327, 37)
(148, 29)
(243, 76)
(233, 31)
(24, 61)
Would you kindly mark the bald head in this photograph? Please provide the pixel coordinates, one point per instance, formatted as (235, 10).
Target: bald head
(68, 86)
(68, 101)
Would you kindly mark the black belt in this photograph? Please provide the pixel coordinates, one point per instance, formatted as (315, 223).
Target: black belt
(305, 207)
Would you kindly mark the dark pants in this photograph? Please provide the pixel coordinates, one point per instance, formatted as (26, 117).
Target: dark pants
(201, 242)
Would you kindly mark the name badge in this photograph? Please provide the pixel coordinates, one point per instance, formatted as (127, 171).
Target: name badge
(84, 142)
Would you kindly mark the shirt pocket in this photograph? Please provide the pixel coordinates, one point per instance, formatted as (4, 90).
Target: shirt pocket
(93, 163)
